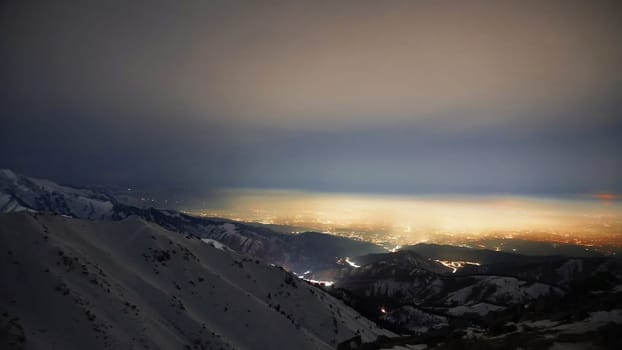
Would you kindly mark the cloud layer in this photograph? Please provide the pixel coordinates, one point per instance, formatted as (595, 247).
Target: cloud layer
(361, 95)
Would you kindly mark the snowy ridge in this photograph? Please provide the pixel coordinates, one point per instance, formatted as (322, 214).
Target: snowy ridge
(296, 252)
(130, 283)
(217, 244)
(480, 309)
(500, 290)
(20, 193)
(410, 297)
(413, 319)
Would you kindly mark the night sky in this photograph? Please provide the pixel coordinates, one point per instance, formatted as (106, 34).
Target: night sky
(520, 97)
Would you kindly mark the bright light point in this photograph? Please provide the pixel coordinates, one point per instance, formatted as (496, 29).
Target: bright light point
(456, 265)
(326, 283)
(395, 249)
(352, 263)
(302, 277)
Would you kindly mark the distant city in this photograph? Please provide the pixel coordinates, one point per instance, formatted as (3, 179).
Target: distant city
(596, 231)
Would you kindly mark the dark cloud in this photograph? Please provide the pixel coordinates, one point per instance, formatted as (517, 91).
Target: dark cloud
(396, 96)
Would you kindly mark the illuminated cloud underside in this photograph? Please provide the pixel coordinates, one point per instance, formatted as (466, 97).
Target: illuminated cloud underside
(401, 96)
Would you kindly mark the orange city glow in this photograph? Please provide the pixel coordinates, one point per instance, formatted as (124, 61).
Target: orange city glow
(400, 220)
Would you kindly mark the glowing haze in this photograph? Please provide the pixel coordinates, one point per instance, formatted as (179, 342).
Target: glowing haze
(412, 219)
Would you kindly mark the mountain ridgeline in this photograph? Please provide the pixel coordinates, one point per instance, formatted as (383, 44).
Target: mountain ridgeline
(307, 251)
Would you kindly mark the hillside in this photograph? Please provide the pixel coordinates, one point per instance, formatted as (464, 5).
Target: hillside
(77, 284)
(309, 251)
(534, 302)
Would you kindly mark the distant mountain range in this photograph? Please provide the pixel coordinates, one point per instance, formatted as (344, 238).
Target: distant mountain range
(404, 281)
(412, 293)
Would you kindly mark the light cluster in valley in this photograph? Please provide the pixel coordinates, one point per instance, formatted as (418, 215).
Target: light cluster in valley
(398, 221)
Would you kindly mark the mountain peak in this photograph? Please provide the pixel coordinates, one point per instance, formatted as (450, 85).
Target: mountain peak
(7, 174)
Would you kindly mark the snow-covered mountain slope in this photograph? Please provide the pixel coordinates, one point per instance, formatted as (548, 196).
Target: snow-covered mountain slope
(300, 252)
(307, 251)
(410, 318)
(423, 287)
(402, 292)
(591, 320)
(21, 193)
(412, 293)
(77, 284)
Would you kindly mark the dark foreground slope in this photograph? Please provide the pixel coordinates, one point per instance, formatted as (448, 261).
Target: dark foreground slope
(531, 303)
(77, 284)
